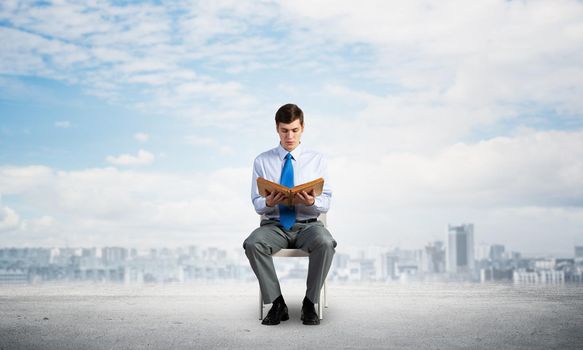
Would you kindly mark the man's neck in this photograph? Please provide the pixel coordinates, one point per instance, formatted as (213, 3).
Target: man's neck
(289, 150)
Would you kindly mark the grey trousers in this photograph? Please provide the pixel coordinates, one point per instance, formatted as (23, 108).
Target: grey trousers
(270, 237)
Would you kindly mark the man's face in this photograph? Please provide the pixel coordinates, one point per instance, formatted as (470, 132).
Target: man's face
(290, 134)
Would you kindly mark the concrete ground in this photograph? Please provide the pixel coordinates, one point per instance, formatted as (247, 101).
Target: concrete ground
(223, 315)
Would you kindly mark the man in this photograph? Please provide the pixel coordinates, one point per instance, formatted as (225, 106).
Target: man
(290, 227)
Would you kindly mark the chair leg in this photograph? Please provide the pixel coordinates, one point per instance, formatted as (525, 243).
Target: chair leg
(320, 308)
(260, 305)
(325, 294)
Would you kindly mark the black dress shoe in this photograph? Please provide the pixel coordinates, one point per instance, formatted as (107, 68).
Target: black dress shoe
(277, 313)
(309, 315)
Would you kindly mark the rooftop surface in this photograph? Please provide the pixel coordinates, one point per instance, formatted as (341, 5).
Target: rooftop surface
(224, 315)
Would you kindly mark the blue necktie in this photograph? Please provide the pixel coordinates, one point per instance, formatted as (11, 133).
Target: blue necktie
(287, 215)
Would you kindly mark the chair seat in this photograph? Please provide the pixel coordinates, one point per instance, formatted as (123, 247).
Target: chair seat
(291, 253)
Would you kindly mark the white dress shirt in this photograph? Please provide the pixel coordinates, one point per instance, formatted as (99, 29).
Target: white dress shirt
(308, 165)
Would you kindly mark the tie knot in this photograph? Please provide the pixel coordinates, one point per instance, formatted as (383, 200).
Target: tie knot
(288, 156)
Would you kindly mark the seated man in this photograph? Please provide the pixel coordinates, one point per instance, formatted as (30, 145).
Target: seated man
(290, 227)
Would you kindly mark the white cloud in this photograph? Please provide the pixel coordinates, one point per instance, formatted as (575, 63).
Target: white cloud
(64, 124)
(16, 180)
(209, 142)
(141, 137)
(524, 54)
(110, 206)
(110, 50)
(9, 219)
(142, 158)
(530, 169)
(470, 54)
(406, 199)
(42, 225)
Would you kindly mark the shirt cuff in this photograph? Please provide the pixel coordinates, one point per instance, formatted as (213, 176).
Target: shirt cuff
(262, 207)
(318, 203)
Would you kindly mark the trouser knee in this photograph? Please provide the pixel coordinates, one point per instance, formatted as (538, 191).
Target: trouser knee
(253, 248)
(325, 244)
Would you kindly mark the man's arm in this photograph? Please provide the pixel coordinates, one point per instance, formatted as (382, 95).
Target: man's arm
(260, 202)
(320, 204)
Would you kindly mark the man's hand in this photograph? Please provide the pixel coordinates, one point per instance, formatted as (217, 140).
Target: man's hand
(306, 198)
(274, 198)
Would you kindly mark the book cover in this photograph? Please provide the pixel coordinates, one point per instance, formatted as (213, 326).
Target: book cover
(265, 187)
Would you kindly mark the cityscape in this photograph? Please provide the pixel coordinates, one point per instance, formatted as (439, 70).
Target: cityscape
(457, 258)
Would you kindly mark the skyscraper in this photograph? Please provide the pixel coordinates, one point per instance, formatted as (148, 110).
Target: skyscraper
(433, 258)
(460, 248)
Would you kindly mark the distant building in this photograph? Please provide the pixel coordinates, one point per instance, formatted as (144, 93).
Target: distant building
(89, 252)
(522, 276)
(494, 274)
(460, 249)
(389, 266)
(193, 252)
(510, 255)
(496, 252)
(553, 263)
(433, 258)
(579, 252)
(340, 269)
(482, 252)
(114, 255)
(341, 260)
(28, 256)
(13, 276)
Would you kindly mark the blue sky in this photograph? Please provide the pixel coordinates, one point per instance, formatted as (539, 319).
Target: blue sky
(136, 123)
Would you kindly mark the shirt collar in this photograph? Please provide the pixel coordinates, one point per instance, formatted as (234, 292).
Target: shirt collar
(282, 152)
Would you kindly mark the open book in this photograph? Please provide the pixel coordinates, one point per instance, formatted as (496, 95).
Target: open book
(266, 187)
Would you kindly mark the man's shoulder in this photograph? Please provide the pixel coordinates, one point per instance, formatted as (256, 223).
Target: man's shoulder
(266, 155)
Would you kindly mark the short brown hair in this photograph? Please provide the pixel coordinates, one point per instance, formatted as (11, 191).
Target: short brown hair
(288, 113)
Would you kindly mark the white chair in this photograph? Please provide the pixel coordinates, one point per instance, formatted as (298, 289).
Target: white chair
(292, 253)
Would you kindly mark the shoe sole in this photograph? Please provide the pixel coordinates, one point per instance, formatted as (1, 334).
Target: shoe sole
(315, 323)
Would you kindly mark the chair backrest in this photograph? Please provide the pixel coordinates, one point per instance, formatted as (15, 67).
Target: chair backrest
(323, 218)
